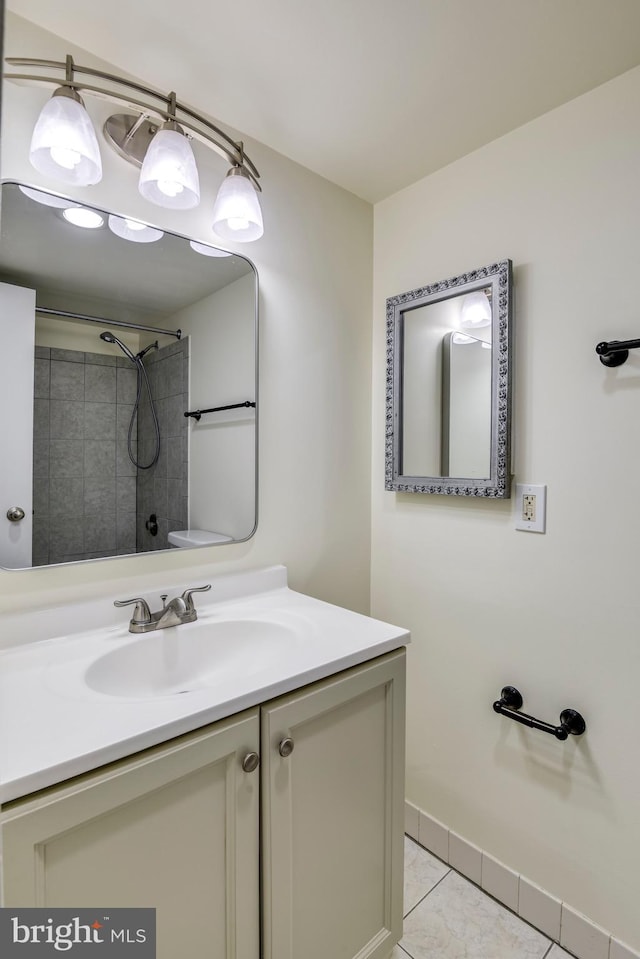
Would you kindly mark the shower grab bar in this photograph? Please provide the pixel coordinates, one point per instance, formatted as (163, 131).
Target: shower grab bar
(197, 414)
(571, 722)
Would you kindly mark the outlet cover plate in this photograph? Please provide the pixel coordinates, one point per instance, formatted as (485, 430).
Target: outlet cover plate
(531, 508)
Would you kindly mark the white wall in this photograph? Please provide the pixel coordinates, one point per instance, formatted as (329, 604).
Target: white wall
(557, 615)
(222, 463)
(314, 265)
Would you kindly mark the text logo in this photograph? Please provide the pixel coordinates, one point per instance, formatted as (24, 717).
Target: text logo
(79, 933)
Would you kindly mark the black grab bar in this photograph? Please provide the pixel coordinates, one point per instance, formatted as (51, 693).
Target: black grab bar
(571, 722)
(196, 414)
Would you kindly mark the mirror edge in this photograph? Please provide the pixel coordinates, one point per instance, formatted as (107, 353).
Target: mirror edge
(498, 485)
(256, 323)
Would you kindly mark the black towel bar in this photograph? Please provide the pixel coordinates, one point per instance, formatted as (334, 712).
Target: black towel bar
(616, 352)
(571, 722)
(196, 414)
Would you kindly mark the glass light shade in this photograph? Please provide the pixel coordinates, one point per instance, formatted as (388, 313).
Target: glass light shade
(169, 176)
(207, 250)
(476, 310)
(461, 339)
(236, 213)
(64, 144)
(133, 230)
(81, 216)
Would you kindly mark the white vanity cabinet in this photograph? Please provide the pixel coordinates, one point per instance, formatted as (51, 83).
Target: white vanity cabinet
(175, 828)
(333, 816)
(179, 826)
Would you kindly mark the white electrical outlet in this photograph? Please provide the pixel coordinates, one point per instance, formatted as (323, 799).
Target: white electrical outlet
(531, 508)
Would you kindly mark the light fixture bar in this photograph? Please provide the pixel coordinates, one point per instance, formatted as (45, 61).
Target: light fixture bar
(171, 109)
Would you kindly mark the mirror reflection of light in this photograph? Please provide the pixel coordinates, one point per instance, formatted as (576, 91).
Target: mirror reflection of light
(206, 250)
(476, 310)
(461, 339)
(486, 346)
(80, 216)
(133, 230)
(47, 199)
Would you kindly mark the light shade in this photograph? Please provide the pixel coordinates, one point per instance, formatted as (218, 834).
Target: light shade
(64, 143)
(133, 230)
(236, 213)
(169, 176)
(476, 310)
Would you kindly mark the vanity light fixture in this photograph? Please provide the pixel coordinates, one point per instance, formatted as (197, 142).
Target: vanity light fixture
(133, 230)
(64, 144)
(158, 139)
(169, 176)
(236, 212)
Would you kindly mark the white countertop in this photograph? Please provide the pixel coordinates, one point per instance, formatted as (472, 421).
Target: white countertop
(53, 726)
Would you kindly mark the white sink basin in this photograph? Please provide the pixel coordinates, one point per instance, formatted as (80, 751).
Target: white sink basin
(182, 659)
(77, 698)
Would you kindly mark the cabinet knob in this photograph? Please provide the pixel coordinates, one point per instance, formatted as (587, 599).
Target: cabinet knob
(250, 762)
(285, 747)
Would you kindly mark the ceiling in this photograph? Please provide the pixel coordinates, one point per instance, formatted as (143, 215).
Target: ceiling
(371, 94)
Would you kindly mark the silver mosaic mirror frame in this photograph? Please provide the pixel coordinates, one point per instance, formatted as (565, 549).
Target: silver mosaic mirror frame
(499, 277)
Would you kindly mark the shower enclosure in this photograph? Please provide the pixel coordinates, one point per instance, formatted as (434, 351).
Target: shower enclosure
(110, 441)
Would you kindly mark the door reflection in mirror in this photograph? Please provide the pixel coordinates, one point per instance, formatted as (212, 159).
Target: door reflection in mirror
(466, 406)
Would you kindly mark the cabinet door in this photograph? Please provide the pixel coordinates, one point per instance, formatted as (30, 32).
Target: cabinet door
(333, 816)
(175, 829)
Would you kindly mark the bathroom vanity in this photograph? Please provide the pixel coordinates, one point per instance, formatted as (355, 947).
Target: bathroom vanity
(260, 814)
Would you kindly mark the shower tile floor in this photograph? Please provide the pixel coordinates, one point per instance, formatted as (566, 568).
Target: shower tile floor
(447, 917)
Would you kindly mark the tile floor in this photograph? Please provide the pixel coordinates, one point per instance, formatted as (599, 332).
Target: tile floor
(447, 917)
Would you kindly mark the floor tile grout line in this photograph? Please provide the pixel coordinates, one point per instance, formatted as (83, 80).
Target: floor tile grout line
(428, 893)
(552, 942)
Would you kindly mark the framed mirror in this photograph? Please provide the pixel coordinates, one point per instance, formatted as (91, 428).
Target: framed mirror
(448, 413)
(129, 392)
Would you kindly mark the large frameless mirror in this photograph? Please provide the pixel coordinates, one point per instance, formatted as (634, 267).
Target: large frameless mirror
(129, 386)
(448, 418)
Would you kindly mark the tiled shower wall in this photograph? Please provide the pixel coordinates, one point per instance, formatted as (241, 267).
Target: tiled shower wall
(163, 489)
(85, 488)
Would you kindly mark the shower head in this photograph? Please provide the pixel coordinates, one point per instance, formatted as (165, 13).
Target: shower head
(110, 338)
(152, 346)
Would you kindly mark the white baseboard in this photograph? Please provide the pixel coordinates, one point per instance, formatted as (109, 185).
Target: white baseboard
(557, 920)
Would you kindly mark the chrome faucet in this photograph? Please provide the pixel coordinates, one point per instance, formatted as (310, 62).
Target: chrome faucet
(178, 610)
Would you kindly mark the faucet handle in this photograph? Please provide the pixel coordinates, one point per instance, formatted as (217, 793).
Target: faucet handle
(186, 596)
(141, 614)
